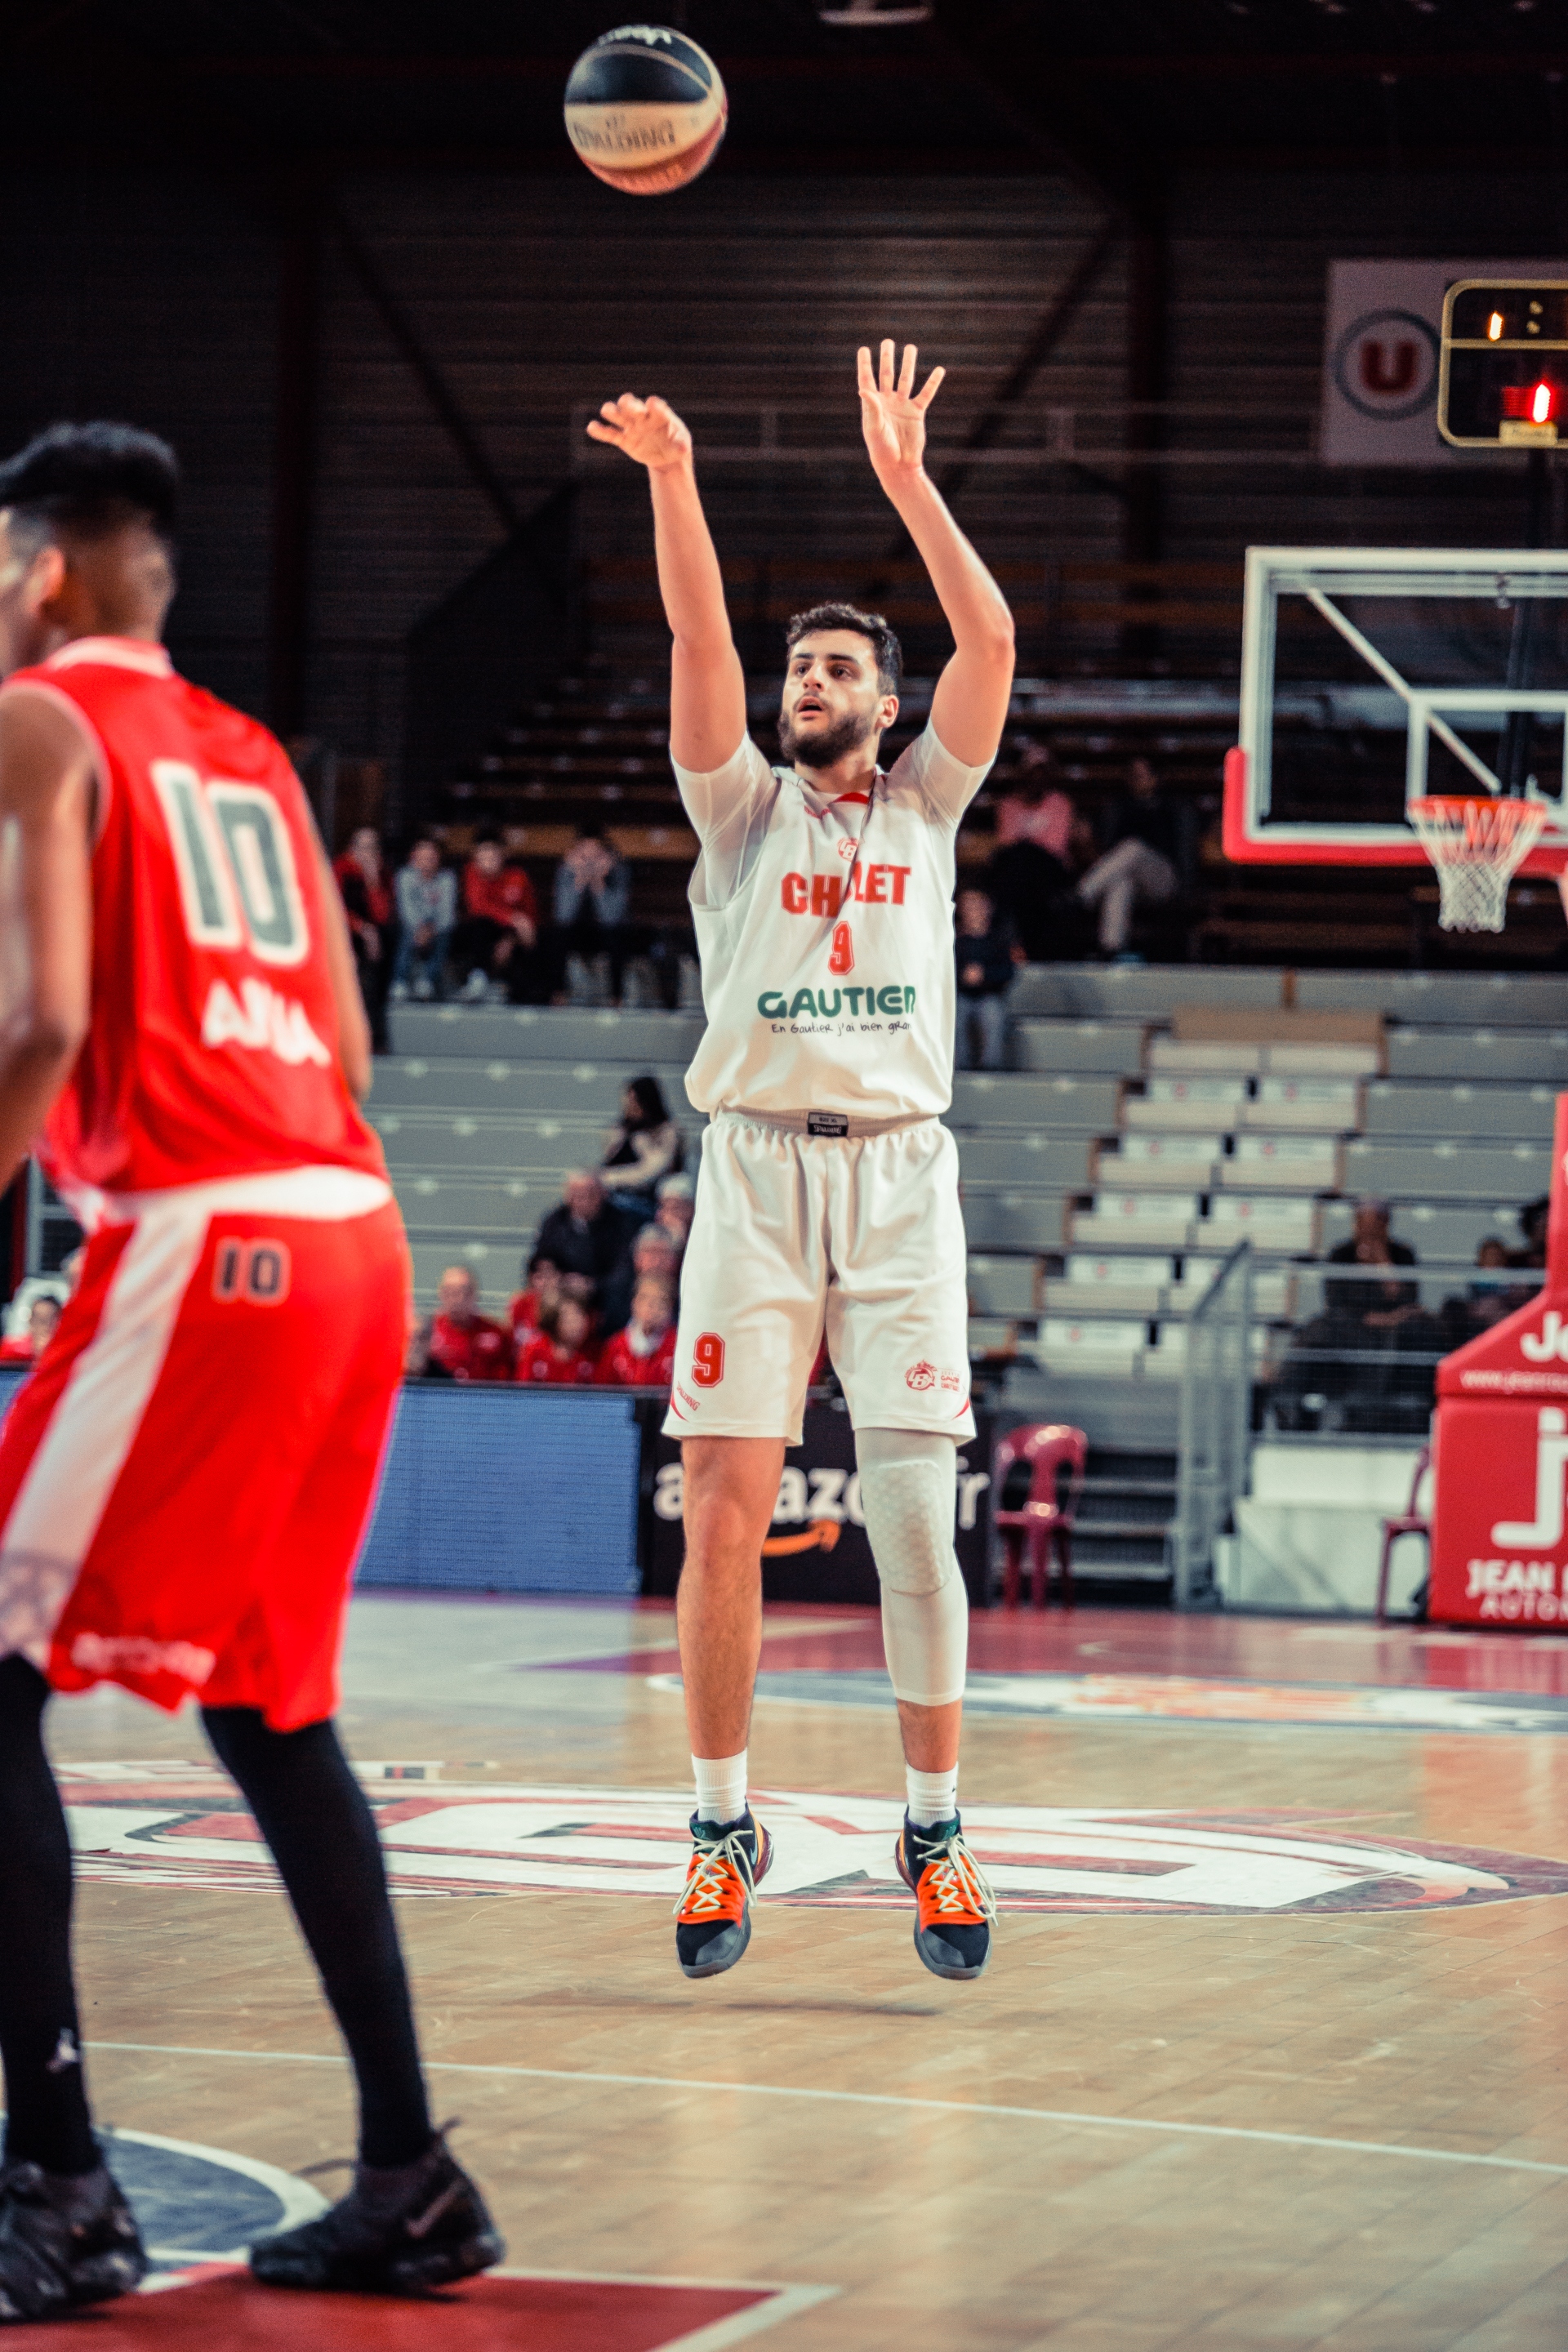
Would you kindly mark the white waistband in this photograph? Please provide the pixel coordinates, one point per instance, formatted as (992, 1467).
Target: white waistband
(326, 1195)
(799, 1122)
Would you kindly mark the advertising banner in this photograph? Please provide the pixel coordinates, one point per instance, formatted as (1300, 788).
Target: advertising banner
(1380, 358)
(1499, 1554)
(816, 1548)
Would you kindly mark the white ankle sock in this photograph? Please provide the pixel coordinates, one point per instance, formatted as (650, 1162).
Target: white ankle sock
(932, 1796)
(721, 1787)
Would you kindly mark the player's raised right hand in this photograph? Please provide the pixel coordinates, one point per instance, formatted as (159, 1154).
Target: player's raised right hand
(647, 430)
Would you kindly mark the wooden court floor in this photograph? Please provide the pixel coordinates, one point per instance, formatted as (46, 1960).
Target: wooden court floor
(1273, 2051)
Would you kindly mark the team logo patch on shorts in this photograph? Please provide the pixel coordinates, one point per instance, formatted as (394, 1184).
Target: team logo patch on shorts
(921, 1375)
(135, 1653)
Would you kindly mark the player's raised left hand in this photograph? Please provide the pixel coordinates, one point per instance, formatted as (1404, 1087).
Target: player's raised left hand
(893, 415)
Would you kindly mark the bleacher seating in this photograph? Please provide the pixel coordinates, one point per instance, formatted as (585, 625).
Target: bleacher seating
(1104, 1176)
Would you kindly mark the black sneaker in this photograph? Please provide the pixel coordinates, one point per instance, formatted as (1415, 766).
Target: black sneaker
(953, 1903)
(65, 2240)
(402, 2232)
(713, 1917)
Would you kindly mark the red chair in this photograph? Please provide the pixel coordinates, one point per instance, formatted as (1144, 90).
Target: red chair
(1410, 1522)
(1054, 1454)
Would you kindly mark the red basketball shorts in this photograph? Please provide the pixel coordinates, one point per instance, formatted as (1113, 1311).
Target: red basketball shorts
(185, 1479)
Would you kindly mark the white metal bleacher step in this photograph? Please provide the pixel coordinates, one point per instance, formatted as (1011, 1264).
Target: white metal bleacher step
(1297, 1163)
(1145, 1162)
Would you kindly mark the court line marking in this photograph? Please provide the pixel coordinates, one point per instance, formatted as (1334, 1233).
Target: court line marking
(301, 2200)
(892, 2099)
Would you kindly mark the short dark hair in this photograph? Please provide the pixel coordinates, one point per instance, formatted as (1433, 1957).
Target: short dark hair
(93, 480)
(889, 653)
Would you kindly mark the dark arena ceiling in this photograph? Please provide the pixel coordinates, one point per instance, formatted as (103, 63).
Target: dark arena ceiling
(1116, 90)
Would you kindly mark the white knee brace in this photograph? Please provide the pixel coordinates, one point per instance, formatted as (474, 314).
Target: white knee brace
(907, 1492)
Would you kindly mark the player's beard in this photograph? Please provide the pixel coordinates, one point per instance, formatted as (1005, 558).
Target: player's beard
(829, 745)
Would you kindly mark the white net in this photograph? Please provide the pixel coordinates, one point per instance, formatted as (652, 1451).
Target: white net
(1477, 846)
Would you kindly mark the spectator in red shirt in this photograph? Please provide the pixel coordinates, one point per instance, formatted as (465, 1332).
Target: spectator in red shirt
(1040, 841)
(498, 937)
(643, 1355)
(418, 1363)
(471, 1346)
(30, 1341)
(560, 1354)
(541, 1288)
(372, 912)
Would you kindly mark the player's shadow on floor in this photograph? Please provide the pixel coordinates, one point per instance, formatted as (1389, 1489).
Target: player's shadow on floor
(784, 2005)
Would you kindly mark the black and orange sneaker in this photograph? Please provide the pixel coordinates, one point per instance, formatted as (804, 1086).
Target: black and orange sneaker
(954, 1902)
(713, 1917)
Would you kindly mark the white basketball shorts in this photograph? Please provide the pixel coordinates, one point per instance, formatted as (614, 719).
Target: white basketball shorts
(862, 1236)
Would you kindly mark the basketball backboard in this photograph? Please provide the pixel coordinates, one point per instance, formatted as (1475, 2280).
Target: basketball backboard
(1373, 677)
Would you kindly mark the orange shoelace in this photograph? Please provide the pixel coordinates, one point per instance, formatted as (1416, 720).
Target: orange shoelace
(719, 1881)
(953, 1888)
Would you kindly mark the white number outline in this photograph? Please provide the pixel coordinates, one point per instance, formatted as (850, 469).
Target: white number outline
(199, 857)
(223, 795)
(207, 863)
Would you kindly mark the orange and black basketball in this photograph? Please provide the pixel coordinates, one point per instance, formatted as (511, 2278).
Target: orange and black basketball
(646, 109)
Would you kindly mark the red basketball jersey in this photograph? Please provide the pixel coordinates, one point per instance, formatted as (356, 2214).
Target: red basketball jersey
(212, 1049)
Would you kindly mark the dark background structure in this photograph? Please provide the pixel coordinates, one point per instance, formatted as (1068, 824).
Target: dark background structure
(343, 255)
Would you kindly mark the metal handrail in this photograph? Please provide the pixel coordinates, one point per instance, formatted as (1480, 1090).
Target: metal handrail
(1211, 1469)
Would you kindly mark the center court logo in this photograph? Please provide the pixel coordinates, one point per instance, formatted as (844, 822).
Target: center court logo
(184, 1825)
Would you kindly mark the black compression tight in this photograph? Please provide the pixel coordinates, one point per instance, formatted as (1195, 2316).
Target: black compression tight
(314, 1815)
(46, 2119)
(312, 1812)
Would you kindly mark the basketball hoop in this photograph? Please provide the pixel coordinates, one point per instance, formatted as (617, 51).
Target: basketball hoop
(1477, 846)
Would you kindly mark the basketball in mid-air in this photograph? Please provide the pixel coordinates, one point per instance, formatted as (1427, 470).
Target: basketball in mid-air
(646, 109)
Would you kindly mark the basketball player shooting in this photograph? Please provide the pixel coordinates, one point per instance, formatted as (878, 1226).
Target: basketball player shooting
(186, 1477)
(828, 1195)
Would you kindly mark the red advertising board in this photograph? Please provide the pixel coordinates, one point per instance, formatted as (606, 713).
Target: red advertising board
(1500, 1544)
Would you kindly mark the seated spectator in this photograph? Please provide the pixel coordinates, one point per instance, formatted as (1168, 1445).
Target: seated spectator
(1532, 1220)
(541, 1288)
(426, 913)
(591, 899)
(26, 1346)
(559, 1354)
(653, 1254)
(643, 1355)
(1381, 1305)
(367, 899)
(988, 957)
(677, 1207)
(418, 1363)
(1482, 1304)
(1360, 1364)
(644, 1148)
(588, 1233)
(468, 1343)
(1037, 836)
(498, 938)
(1143, 862)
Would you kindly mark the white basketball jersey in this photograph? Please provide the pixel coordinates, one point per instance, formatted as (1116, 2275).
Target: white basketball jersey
(825, 933)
